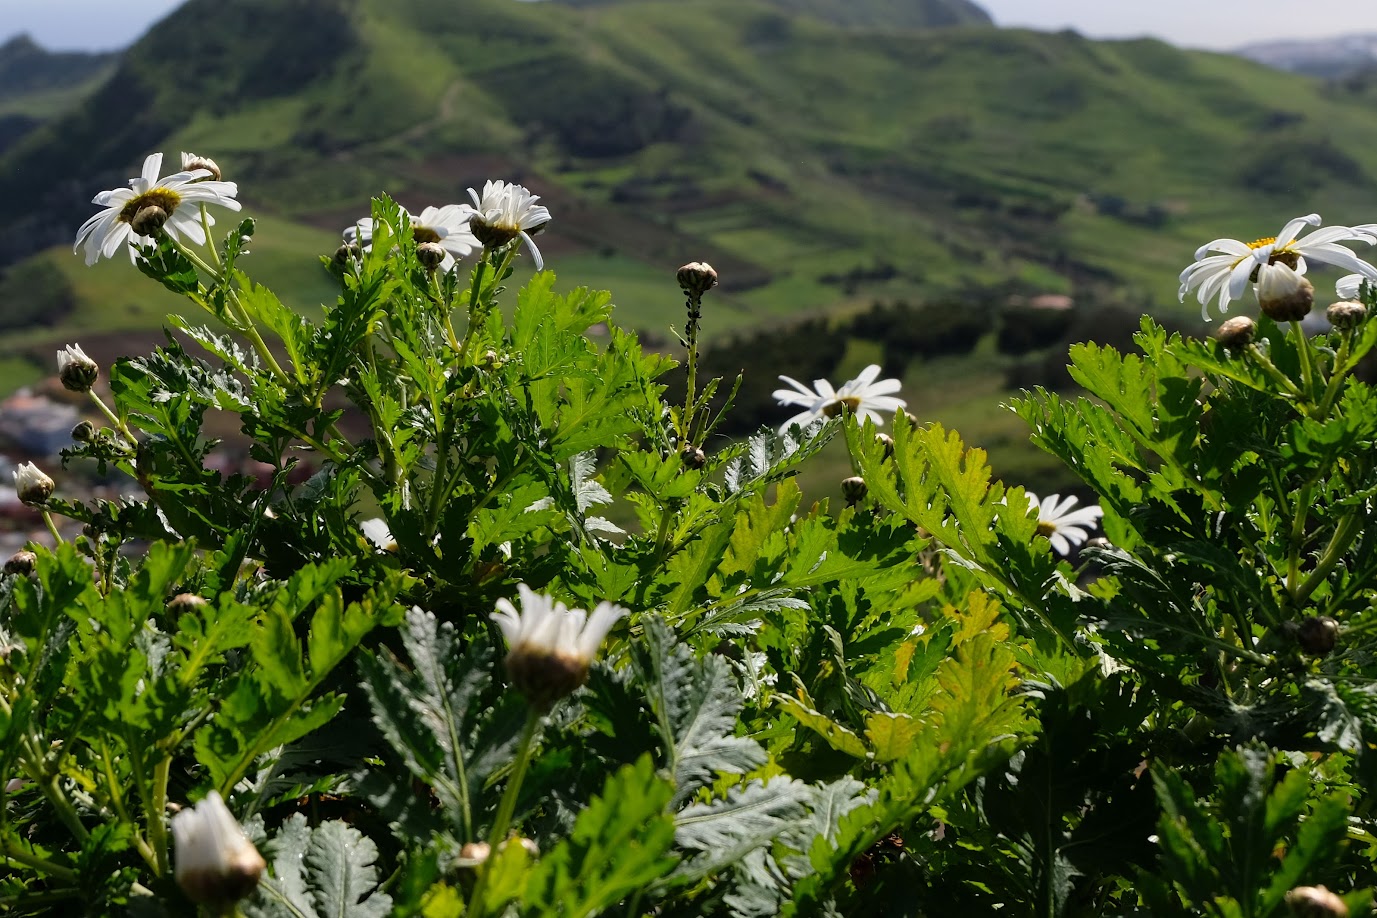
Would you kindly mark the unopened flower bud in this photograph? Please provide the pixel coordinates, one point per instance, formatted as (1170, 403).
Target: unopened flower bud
(1346, 314)
(1237, 333)
(21, 563)
(350, 251)
(531, 847)
(1318, 635)
(474, 853)
(148, 220)
(693, 457)
(886, 442)
(32, 486)
(1284, 295)
(216, 864)
(185, 602)
(84, 432)
(192, 162)
(492, 236)
(697, 278)
(430, 254)
(77, 371)
(854, 490)
(1315, 902)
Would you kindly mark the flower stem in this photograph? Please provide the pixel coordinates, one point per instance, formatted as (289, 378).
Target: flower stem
(210, 241)
(1306, 364)
(157, 811)
(475, 305)
(52, 527)
(114, 419)
(17, 854)
(507, 807)
(1343, 537)
(695, 314)
(1270, 368)
(240, 316)
(1337, 374)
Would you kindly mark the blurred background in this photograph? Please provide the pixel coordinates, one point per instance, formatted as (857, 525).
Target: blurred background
(955, 190)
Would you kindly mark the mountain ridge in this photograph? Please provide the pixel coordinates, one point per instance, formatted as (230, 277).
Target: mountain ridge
(900, 14)
(824, 166)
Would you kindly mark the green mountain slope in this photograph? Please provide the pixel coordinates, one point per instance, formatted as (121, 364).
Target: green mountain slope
(900, 14)
(819, 167)
(37, 85)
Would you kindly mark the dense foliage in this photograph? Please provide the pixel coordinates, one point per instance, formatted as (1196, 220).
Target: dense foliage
(905, 706)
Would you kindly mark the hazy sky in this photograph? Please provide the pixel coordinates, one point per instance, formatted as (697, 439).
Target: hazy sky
(104, 24)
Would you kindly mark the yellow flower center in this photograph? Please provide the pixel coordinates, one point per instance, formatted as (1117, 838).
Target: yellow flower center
(157, 197)
(1045, 528)
(1283, 256)
(424, 234)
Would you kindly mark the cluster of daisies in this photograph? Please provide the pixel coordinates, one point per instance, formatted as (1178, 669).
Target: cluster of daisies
(863, 398)
(176, 205)
(1275, 266)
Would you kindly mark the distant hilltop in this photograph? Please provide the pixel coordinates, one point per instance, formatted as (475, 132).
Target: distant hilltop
(1330, 58)
(900, 14)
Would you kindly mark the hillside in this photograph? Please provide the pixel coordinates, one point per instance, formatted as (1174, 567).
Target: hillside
(819, 167)
(37, 85)
(892, 14)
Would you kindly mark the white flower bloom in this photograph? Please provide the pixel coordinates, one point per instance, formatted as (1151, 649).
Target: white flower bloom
(1226, 275)
(1349, 287)
(377, 532)
(1064, 526)
(216, 864)
(505, 211)
(550, 646)
(32, 486)
(191, 162)
(447, 226)
(105, 232)
(862, 397)
(77, 371)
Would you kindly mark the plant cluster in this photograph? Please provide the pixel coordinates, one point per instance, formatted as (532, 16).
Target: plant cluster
(527, 641)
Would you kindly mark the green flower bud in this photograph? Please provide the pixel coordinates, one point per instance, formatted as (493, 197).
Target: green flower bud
(1237, 333)
(697, 278)
(1317, 636)
(1346, 314)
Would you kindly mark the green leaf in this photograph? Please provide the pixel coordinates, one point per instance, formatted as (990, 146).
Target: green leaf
(694, 703)
(434, 713)
(320, 873)
(751, 816)
(619, 845)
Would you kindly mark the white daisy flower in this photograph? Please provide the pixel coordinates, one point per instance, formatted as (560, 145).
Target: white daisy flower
(550, 646)
(377, 532)
(505, 211)
(216, 864)
(862, 397)
(191, 162)
(446, 226)
(1227, 275)
(1350, 286)
(105, 232)
(1063, 526)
